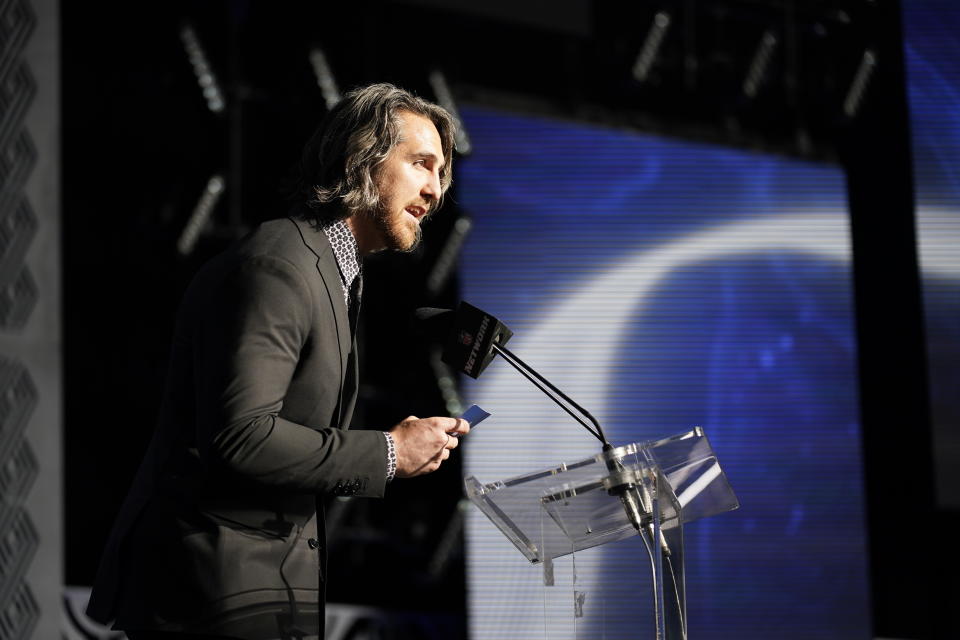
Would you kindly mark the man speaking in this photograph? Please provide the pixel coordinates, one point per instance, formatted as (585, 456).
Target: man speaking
(220, 535)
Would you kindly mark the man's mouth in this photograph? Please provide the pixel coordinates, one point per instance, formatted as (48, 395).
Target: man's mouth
(417, 212)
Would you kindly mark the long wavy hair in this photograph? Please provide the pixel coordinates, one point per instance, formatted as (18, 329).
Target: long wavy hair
(340, 162)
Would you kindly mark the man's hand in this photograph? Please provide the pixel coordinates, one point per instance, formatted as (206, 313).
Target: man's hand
(423, 443)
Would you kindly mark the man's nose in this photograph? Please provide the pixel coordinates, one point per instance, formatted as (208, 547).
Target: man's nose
(431, 189)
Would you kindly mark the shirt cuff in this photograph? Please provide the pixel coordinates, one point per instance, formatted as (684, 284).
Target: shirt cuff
(391, 456)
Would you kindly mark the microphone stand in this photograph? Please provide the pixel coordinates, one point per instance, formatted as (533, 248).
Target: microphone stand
(537, 380)
(627, 491)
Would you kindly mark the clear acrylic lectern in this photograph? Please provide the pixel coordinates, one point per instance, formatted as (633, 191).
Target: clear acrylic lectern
(650, 488)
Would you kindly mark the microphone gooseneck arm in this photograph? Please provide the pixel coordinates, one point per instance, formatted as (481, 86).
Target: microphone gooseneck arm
(543, 384)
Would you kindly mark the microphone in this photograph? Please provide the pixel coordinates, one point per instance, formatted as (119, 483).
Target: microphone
(468, 335)
(471, 338)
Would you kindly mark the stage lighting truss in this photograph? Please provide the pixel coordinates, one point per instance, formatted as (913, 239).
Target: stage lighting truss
(206, 78)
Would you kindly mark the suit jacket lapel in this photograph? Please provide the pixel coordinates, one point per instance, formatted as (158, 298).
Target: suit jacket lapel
(317, 242)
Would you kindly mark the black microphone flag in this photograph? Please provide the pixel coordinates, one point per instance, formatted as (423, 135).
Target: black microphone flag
(468, 336)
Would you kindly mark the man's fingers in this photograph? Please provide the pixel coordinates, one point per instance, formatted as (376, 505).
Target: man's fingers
(424, 443)
(435, 461)
(461, 427)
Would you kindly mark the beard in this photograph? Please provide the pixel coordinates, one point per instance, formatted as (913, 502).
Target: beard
(395, 232)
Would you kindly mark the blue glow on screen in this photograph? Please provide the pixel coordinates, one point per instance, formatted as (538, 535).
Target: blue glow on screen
(931, 31)
(663, 285)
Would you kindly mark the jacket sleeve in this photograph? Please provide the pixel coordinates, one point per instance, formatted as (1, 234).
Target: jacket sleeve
(251, 333)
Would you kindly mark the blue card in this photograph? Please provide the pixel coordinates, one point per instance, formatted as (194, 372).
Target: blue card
(474, 415)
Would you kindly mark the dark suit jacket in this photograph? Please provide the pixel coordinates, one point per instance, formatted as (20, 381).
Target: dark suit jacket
(219, 532)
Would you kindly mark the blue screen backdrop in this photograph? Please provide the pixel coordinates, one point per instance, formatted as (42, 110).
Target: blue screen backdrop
(667, 284)
(932, 34)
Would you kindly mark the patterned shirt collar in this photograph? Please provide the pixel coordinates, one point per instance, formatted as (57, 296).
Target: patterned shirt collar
(347, 253)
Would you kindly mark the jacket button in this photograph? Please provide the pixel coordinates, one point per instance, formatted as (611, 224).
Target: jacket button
(313, 543)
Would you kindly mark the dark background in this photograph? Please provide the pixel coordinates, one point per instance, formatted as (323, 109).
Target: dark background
(139, 145)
